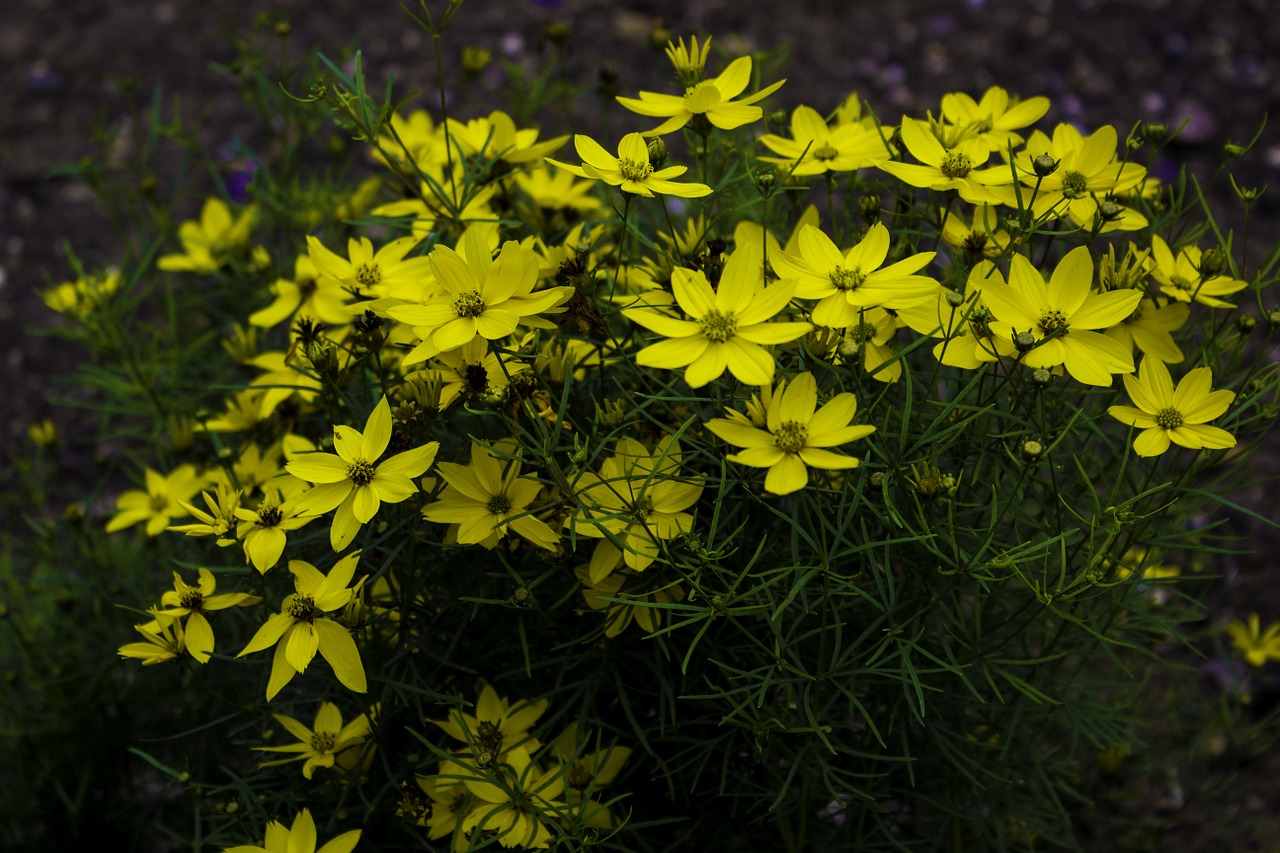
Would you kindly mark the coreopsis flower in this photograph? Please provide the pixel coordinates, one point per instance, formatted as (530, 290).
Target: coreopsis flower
(471, 372)
(516, 811)
(1180, 278)
(450, 803)
(163, 641)
(412, 144)
(219, 521)
(631, 170)
(553, 189)
(623, 609)
(353, 481)
(195, 602)
(795, 436)
(712, 98)
(844, 283)
(43, 433)
(815, 148)
(638, 500)
(209, 242)
(1148, 328)
(319, 746)
(159, 503)
(586, 771)
(242, 412)
(962, 321)
(301, 628)
(365, 270)
(1086, 172)
(321, 298)
(1257, 645)
(995, 117)
(1062, 317)
(941, 168)
(979, 236)
(729, 326)
(497, 726)
(489, 497)
(1173, 415)
(299, 838)
(871, 338)
(264, 530)
(82, 298)
(480, 296)
(496, 137)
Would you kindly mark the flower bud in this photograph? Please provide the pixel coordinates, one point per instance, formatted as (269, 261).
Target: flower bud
(1042, 376)
(1109, 211)
(1024, 341)
(1156, 133)
(1246, 323)
(1032, 449)
(869, 205)
(657, 153)
(475, 60)
(1212, 262)
(1044, 165)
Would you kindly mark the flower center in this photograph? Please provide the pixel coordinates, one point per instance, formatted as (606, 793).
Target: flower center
(860, 333)
(791, 436)
(975, 242)
(300, 607)
(488, 743)
(634, 170)
(844, 279)
(269, 516)
(643, 508)
(159, 503)
(323, 741)
(306, 288)
(1052, 321)
(499, 505)
(825, 152)
(476, 378)
(192, 599)
(1169, 418)
(717, 327)
(360, 472)
(368, 274)
(1075, 185)
(956, 165)
(469, 304)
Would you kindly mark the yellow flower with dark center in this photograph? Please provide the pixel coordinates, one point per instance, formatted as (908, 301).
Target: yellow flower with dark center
(1173, 415)
(309, 294)
(962, 320)
(712, 98)
(631, 170)
(194, 602)
(516, 810)
(320, 745)
(1148, 328)
(815, 148)
(163, 641)
(995, 117)
(367, 271)
(264, 530)
(159, 503)
(497, 138)
(1181, 278)
(301, 628)
(957, 168)
(299, 838)
(797, 434)
(208, 243)
(729, 328)
(353, 481)
(496, 727)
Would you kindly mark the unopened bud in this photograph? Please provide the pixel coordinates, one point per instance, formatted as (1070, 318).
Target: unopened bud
(1032, 449)
(1155, 132)
(1109, 211)
(556, 32)
(1042, 376)
(1044, 165)
(475, 60)
(657, 152)
(1024, 341)
(869, 205)
(1246, 323)
(1212, 262)
(1234, 150)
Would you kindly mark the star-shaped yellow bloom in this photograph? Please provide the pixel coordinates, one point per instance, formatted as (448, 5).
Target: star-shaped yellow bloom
(1180, 278)
(318, 747)
(712, 98)
(941, 168)
(299, 838)
(630, 171)
(1258, 646)
(815, 148)
(1173, 415)
(195, 602)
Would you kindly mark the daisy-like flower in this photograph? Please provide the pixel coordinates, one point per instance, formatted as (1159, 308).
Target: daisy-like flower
(995, 117)
(1173, 415)
(497, 727)
(553, 189)
(264, 530)
(1258, 646)
(480, 296)
(1148, 328)
(963, 322)
(486, 501)
(81, 298)
(586, 770)
(630, 171)
(713, 98)
(301, 629)
(318, 746)
(209, 242)
(158, 504)
(219, 521)
(497, 138)
(730, 325)
(844, 283)
(636, 501)
(353, 481)
(365, 270)
(942, 168)
(815, 148)
(194, 602)
(871, 338)
(299, 838)
(163, 641)
(980, 236)
(1062, 317)
(307, 294)
(1180, 278)
(517, 810)
(796, 434)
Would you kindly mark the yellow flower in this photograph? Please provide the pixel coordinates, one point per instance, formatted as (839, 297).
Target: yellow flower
(219, 521)
(496, 138)
(1148, 329)
(485, 501)
(308, 294)
(319, 746)
(712, 98)
(1165, 414)
(367, 271)
(942, 168)
(301, 629)
(300, 838)
(995, 117)
(586, 771)
(795, 436)
(872, 338)
(515, 810)
(159, 503)
(497, 726)
(1062, 317)
(1258, 646)
(353, 481)
(962, 320)
(164, 642)
(630, 171)
(846, 282)
(980, 236)
(264, 530)
(1181, 279)
(81, 298)
(207, 244)
(731, 324)
(815, 148)
(626, 608)
(194, 602)
(43, 433)
(554, 189)
(636, 501)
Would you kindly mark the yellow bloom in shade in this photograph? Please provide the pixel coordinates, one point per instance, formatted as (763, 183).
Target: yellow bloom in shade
(962, 320)
(797, 434)
(1062, 317)
(497, 138)
(995, 117)
(623, 609)
(353, 481)
(318, 746)
(815, 148)
(264, 530)
(1148, 328)
(367, 271)
(981, 236)
(208, 243)
(515, 810)
(845, 282)
(1180, 277)
(307, 294)
(159, 503)
(712, 98)
(942, 168)
(301, 629)
(630, 171)
(1258, 646)
(485, 500)
(586, 771)
(81, 298)
(730, 325)
(1173, 415)
(163, 641)
(300, 838)
(194, 602)
(497, 727)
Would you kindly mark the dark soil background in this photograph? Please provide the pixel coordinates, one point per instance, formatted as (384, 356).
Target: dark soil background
(64, 68)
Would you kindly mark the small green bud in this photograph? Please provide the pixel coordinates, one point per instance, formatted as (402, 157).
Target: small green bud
(1234, 150)
(1024, 341)
(1042, 376)
(657, 153)
(1134, 142)
(877, 479)
(1109, 211)
(1273, 316)
(1044, 165)
(869, 205)
(1246, 323)
(1212, 262)
(1156, 133)
(766, 180)
(954, 299)
(475, 60)
(777, 117)
(1032, 449)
